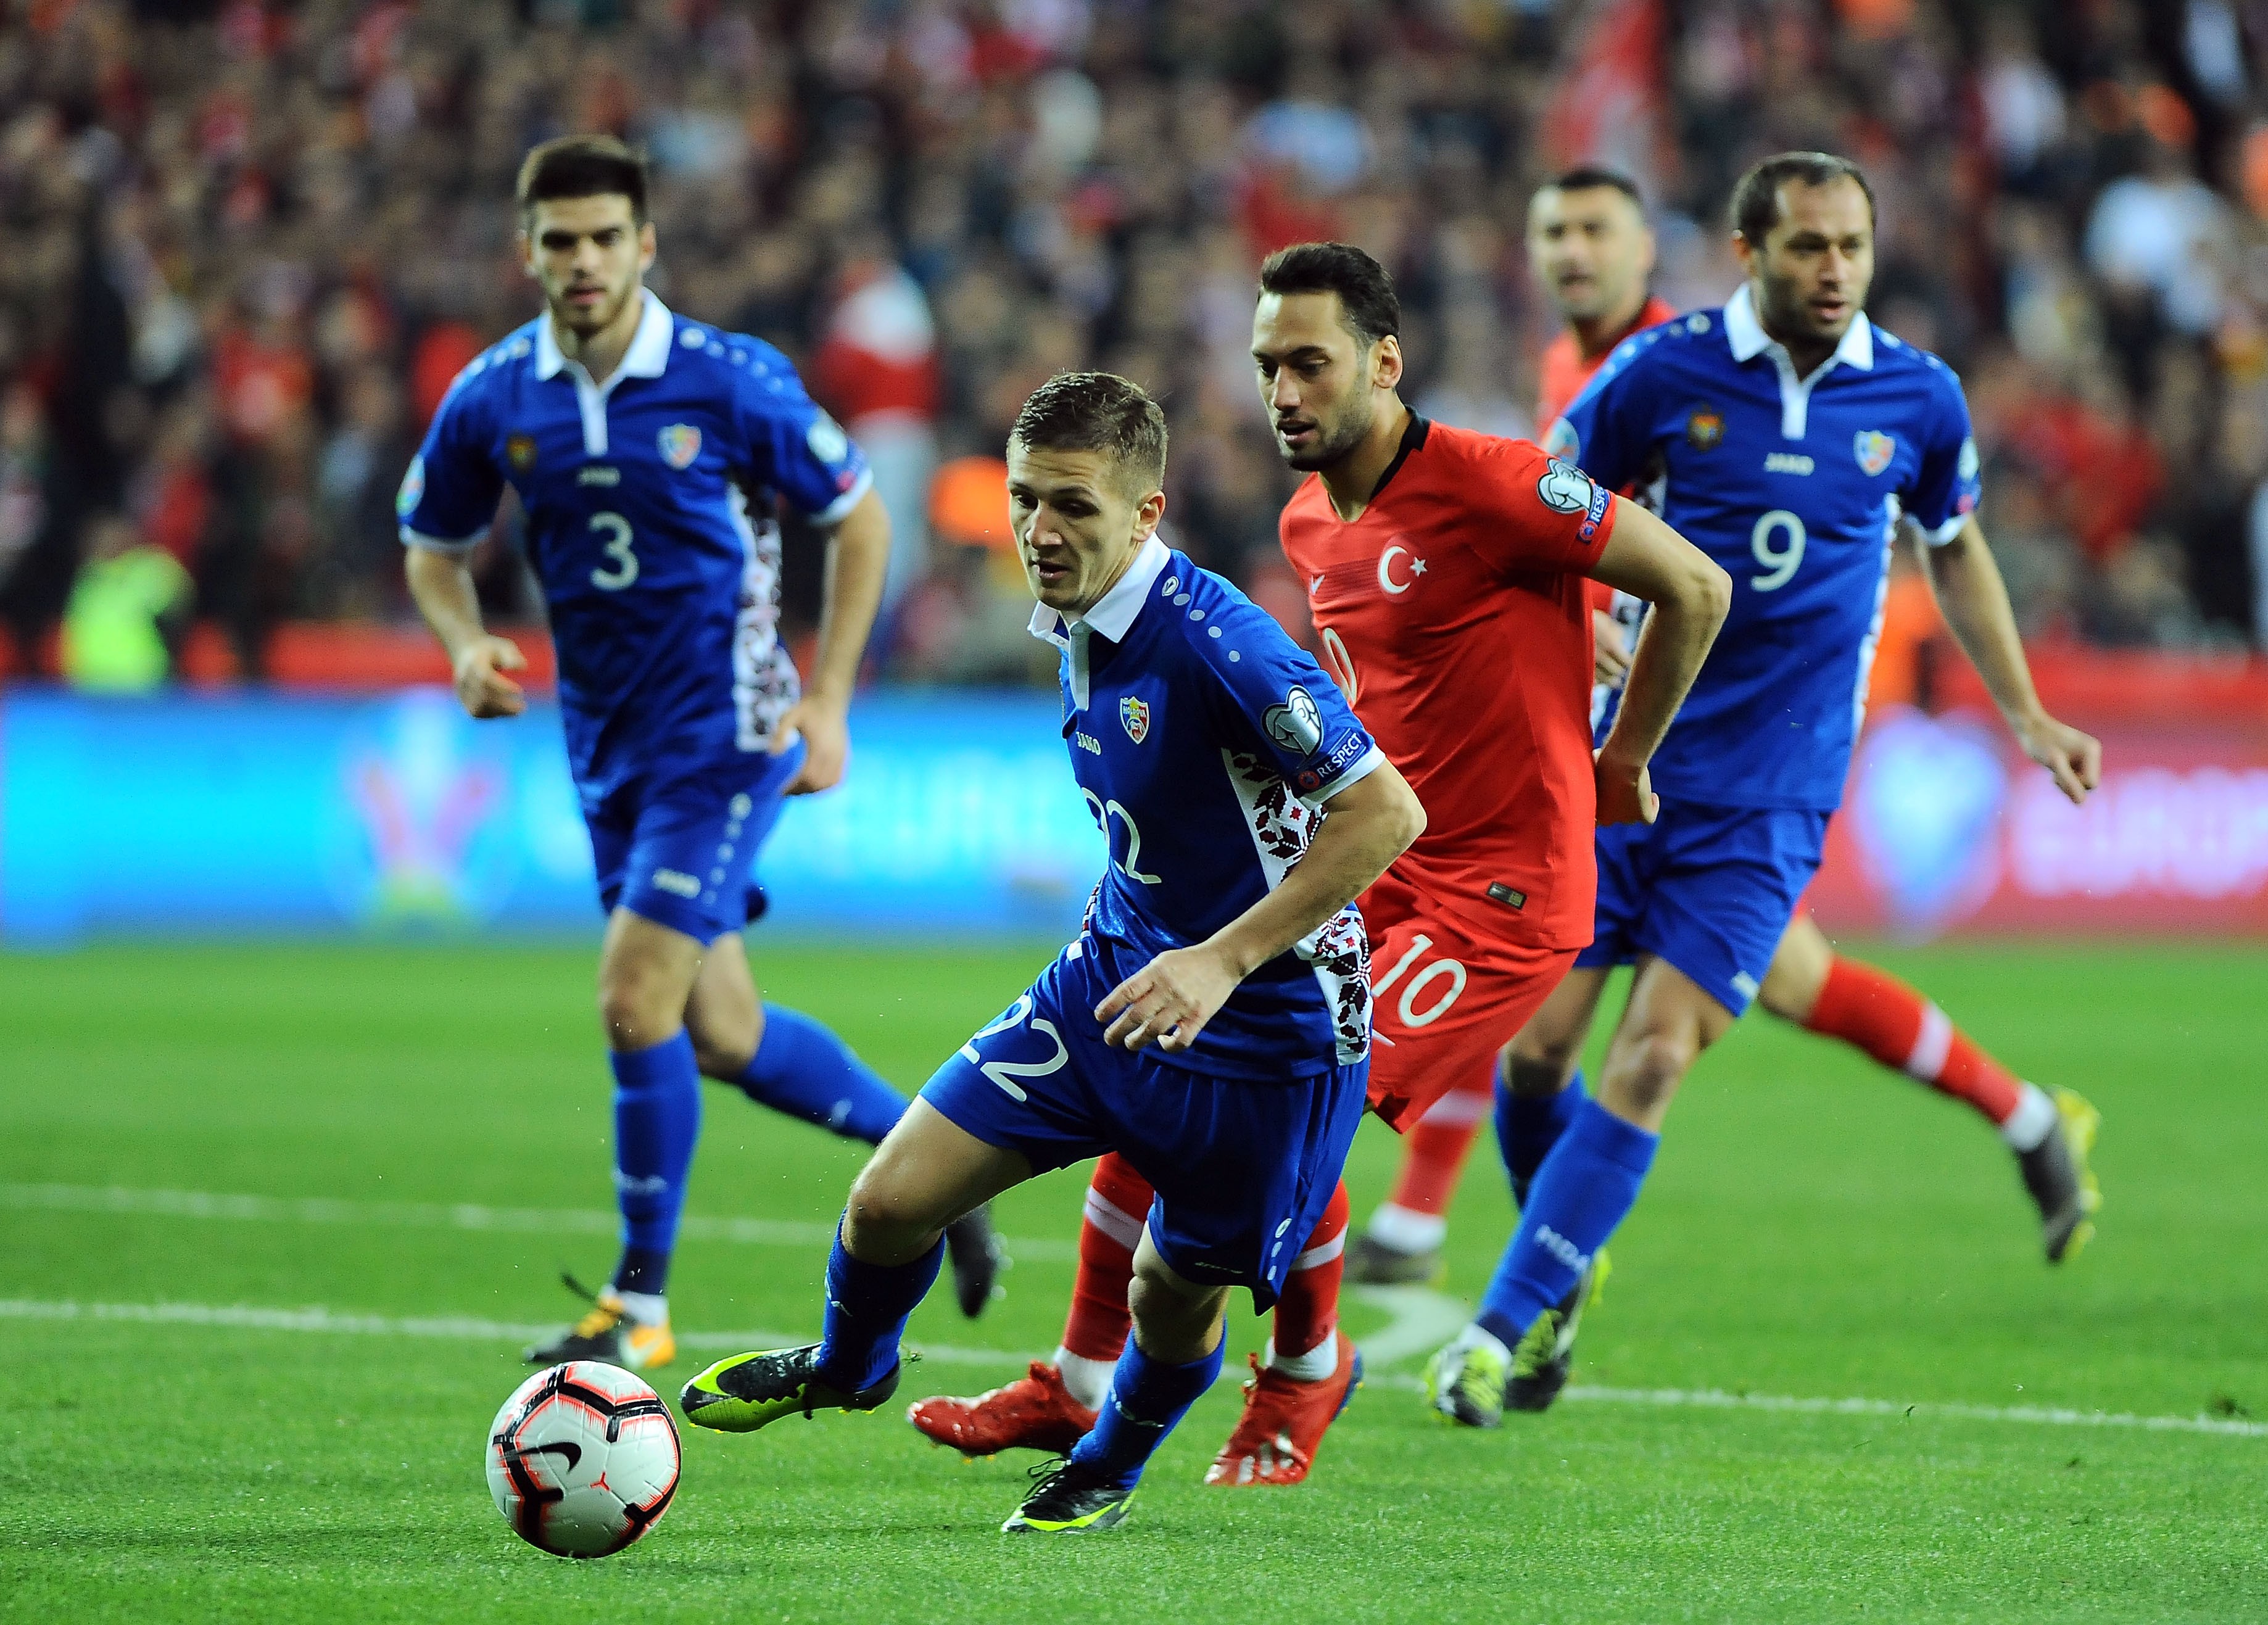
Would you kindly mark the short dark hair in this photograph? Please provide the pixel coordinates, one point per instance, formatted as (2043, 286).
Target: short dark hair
(1591, 178)
(582, 166)
(1366, 296)
(1755, 199)
(1097, 412)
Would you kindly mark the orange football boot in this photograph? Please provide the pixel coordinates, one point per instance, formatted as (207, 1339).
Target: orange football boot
(1284, 1421)
(1035, 1412)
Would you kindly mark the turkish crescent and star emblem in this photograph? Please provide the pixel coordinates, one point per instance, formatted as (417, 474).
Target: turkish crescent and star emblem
(1875, 450)
(1398, 559)
(1134, 717)
(680, 443)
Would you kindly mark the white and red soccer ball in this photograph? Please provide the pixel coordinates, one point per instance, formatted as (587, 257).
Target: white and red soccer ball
(583, 1459)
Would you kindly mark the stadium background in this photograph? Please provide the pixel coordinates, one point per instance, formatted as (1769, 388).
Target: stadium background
(280, 1212)
(253, 242)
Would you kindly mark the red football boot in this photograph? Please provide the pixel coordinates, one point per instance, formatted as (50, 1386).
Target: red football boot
(1283, 1422)
(1033, 1413)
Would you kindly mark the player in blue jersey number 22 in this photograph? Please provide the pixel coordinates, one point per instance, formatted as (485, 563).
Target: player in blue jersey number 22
(648, 451)
(1211, 1022)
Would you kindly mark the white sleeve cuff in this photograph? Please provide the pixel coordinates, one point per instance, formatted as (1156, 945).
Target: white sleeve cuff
(440, 544)
(1947, 531)
(1369, 762)
(839, 509)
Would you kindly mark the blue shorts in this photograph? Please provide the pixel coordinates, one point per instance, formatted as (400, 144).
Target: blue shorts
(1709, 889)
(1242, 1167)
(680, 850)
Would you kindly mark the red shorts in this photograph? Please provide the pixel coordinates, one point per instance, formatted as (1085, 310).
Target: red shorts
(1446, 996)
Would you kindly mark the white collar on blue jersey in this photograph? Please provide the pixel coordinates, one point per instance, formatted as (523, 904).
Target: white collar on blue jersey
(648, 355)
(1113, 615)
(1747, 335)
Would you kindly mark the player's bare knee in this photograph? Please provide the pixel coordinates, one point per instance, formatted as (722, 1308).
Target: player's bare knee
(887, 1220)
(1173, 1320)
(635, 1009)
(721, 1049)
(1535, 1071)
(1647, 1068)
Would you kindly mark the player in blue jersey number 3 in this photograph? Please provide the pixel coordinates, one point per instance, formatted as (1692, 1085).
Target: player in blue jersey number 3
(648, 452)
(1211, 1021)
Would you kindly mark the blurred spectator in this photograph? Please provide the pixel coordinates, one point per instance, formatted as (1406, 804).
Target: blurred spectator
(127, 614)
(251, 245)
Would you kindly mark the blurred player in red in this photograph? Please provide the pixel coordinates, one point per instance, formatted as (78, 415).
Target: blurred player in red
(1446, 573)
(1591, 249)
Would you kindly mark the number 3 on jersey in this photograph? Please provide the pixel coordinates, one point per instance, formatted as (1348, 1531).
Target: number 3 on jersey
(624, 570)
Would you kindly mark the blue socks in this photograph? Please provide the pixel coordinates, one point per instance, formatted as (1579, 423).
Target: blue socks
(867, 1307)
(657, 1120)
(1528, 1126)
(1147, 1398)
(802, 1068)
(1586, 1185)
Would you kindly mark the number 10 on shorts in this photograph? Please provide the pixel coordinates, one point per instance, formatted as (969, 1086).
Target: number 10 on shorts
(1430, 991)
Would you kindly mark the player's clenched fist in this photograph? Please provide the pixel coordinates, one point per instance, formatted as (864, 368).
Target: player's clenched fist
(1626, 793)
(1169, 1000)
(481, 689)
(826, 734)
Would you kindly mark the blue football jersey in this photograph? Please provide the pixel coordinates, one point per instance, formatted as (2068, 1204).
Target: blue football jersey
(650, 524)
(1795, 487)
(1206, 743)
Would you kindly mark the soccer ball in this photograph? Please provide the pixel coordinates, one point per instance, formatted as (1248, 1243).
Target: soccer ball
(583, 1459)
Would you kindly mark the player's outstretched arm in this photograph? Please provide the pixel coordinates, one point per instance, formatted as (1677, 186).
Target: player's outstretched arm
(857, 558)
(445, 596)
(1690, 597)
(1975, 602)
(1168, 1000)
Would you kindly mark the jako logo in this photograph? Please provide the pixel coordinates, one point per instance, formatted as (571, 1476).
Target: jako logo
(1565, 1251)
(675, 883)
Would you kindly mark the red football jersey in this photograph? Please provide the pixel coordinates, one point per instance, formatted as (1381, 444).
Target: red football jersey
(1565, 371)
(1452, 613)
(1563, 374)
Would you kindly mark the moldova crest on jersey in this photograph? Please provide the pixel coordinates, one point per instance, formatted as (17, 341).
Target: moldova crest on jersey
(1874, 450)
(680, 443)
(1134, 717)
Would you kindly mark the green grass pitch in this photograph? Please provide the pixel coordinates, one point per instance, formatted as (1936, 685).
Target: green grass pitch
(1815, 1229)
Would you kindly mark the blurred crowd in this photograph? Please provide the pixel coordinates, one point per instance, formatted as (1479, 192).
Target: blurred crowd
(251, 244)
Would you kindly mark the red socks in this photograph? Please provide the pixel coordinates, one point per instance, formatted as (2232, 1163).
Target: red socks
(1118, 1205)
(1873, 1010)
(1308, 1312)
(1437, 1144)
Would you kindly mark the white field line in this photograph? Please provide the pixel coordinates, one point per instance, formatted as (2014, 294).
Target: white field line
(199, 1204)
(464, 1328)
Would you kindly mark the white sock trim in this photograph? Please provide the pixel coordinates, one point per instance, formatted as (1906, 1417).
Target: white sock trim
(645, 1308)
(1113, 1221)
(1931, 1045)
(1318, 1363)
(1086, 1380)
(1322, 1254)
(1406, 1230)
(2033, 1119)
(1478, 1336)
